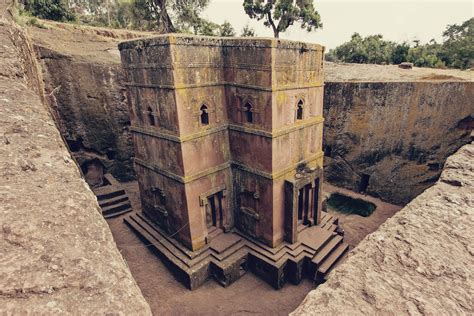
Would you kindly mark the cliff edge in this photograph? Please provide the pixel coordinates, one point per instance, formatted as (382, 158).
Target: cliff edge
(418, 262)
(57, 254)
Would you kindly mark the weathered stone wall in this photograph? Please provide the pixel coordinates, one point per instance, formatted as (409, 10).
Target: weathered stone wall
(419, 262)
(380, 120)
(83, 83)
(57, 254)
(91, 106)
(399, 134)
(174, 80)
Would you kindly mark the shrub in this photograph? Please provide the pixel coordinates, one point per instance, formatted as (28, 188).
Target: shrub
(56, 10)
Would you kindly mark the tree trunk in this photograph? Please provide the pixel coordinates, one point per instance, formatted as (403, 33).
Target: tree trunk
(276, 33)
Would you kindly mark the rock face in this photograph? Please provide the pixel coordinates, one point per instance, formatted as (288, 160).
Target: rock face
(391, 138)
(57, 254)
(83, 82)
(419, 262)
(388, 130)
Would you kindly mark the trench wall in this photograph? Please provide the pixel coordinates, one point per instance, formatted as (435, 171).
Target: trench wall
(419, 262)
(57, 254)
(90, 104)
(395, 134)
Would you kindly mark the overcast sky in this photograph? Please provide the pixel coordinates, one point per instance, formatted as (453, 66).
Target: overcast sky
(395, 20)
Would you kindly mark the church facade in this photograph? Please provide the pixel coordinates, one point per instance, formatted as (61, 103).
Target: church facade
(227, 135)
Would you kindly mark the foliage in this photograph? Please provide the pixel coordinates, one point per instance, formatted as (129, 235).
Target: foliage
(369, 50)
(226, 29)
(36, 23)
(247, 31)
(56, 10)
(456, 51)
(425, 55)
(458, 47)
(281, 14)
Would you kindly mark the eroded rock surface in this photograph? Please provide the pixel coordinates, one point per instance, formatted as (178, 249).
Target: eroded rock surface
(84, 84)
(419, 262)
(57, 254)
(388, 131)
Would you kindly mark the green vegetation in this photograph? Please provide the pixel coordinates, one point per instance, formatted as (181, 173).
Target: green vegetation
(281, 14)
(162, 16)
(247, 31)
(346, 204)
(56, 10)
(456, 51)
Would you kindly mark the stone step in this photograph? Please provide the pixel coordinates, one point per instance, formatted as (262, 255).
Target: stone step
(327, 250)
(223, 242)
(332, 260)
(110, 178)
(178, 250)
(116, 207)
(110, 215)
(339, 261)
(140, 227)
(108, 192)
(112, 201)
(214, 232)
(331, 228)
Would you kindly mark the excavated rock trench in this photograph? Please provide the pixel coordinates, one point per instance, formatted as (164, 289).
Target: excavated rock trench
(388, 131)
(395, 154)
(419, 262)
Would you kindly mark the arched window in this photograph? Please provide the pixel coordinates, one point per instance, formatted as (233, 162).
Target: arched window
(151, 117)
(248, 112)
(299, 110)
(204, 115)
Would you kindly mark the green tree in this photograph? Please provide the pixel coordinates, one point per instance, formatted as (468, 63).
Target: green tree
(247, 31)
(458, 47)
(281, 14)
(226, 29)
(372, 49)
(205, 27)
(400, 53)
(56, 10)
(425, 55)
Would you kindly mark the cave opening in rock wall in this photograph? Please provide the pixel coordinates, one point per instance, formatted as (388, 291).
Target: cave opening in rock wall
(364, 183)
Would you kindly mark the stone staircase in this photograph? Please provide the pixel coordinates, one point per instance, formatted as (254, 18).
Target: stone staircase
(112, 198)
(229, 255)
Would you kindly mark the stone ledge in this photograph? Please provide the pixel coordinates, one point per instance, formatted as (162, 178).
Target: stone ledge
(419, 262)
(195, 40)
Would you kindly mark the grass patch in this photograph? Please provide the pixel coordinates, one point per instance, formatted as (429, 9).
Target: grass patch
(348, 205)
(36, 23)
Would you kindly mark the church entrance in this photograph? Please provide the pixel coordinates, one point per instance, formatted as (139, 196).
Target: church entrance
(302, 203)
(214, 211)
(308, 203)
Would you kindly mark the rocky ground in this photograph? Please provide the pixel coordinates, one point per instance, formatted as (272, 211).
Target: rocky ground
(249, 295)
(343, 72)
(419, 262)
(57, 254)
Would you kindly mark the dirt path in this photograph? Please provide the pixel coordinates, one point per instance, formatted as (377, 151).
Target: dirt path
(249, 295)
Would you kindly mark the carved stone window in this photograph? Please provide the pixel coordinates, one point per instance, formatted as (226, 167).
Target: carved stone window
(248, 114)
(299, 110)
(204, 114)
(151, 116)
